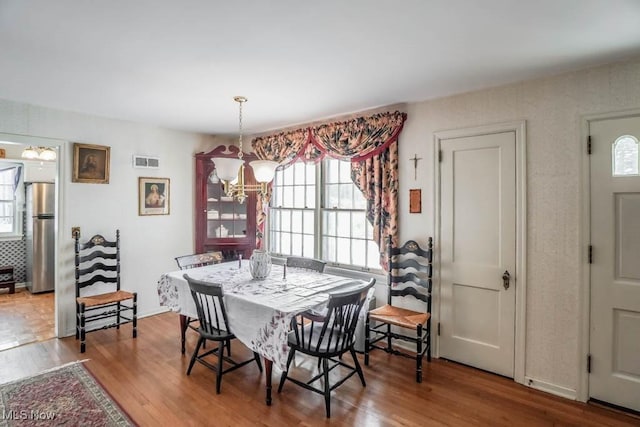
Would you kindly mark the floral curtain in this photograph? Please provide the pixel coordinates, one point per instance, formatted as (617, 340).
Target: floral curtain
(377, 179)
(370, 143)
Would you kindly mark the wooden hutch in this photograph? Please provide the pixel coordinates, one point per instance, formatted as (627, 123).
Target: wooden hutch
(223, 224)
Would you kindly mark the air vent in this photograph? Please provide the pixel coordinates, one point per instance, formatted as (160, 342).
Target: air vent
(146, 162)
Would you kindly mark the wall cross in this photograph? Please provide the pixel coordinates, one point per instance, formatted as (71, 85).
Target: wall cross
(415, 165)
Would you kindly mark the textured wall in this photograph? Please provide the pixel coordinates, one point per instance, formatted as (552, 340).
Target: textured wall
(552, 108)
(149, 243)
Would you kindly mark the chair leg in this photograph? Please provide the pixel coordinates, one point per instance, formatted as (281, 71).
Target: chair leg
(135, 314)
(419, 355)
(367, 340)
(77, 321)
(220, 352)
(229, 347)
(118, 315)
(429, 340)
(256, 357)
(83, 332)
(389, 348)
(357, 365)
(283, 377)
(327, 388)
(194, 355)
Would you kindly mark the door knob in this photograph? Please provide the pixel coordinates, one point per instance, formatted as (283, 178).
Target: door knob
(506, 278)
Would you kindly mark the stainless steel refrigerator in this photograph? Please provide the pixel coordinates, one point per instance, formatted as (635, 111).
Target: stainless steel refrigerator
(40, 237)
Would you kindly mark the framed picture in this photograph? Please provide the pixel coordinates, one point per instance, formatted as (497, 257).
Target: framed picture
(91, 163)
(153, 196)
(415, 201)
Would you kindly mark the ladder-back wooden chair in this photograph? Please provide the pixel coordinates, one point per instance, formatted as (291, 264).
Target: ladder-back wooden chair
(214, 326)
(186, 262)
(308, 263)
(99, 298)
(411, 267)
(328, 337)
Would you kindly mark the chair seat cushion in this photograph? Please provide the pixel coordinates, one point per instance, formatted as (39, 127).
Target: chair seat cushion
(101, 299)
(399, 316)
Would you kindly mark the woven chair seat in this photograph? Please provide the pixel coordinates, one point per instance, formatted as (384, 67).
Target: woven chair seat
(101, 299)
(399, 316)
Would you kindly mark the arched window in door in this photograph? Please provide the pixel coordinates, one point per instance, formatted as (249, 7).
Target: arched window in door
(625, 156)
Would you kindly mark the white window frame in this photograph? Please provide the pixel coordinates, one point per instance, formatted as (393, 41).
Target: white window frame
(319, 210)
(17, 202)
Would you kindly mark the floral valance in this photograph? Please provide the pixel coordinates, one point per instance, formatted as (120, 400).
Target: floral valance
(356, 139)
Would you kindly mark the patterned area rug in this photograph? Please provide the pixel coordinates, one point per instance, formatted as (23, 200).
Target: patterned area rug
(67, 396)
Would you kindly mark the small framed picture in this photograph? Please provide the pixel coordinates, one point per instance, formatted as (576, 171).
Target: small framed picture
(415, 201)
(153, 196)
(91, 163)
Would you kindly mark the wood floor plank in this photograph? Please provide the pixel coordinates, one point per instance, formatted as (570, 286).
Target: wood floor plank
(147, 378)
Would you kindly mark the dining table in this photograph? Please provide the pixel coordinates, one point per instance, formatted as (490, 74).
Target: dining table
(259, 311)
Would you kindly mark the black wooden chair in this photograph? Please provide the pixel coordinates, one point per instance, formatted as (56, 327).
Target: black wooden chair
(412, 267)
(308, 263)
(214, 326)
(98, 264)
(328, 337)
(186, 262)
(198, 260)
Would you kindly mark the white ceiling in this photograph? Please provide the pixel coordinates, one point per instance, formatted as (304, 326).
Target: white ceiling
(178, 64)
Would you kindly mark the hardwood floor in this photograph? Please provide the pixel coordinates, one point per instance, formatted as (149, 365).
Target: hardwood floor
(147, 377)
(25, 318)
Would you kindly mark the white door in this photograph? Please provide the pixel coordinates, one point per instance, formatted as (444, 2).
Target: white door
(615, 268)
(478, 247)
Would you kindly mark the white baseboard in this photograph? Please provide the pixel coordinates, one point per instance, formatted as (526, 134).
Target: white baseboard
(557, 390)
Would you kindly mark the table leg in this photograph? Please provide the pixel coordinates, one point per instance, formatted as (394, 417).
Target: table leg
(184, 321)
(268, 365)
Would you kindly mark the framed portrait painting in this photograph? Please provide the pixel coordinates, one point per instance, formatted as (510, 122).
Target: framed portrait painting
(91, 163)
(153, 196)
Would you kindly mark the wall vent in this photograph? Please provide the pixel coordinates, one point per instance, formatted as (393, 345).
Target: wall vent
(146, 162)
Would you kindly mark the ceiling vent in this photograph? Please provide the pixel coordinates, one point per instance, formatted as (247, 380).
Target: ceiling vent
(146, 162)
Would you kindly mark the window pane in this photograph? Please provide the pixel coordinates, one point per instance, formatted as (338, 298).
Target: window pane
(346, 196)
(311, 197)
(287, 178)
(330, 223)
(274, 219)
(359, 202)
(309, 246)
(344, 250)
(311, 174)
(358, 226)
(359, 251)
(344, 224)
(345, 172)
(296, 221)
(332, 171)
(373, 255)
(308, 222)
(285, 244)
(329, 249)
(299, 173)
(625, 156)
(274, 242)
(285, 220)
(298, 197)
(332, 196)
(296, 244)
(287, 197)
(6, 192)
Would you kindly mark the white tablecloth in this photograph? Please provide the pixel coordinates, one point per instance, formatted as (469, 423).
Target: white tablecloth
(259, 311)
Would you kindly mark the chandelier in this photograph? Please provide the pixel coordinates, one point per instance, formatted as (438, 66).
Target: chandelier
(39, 153)
(231, 171)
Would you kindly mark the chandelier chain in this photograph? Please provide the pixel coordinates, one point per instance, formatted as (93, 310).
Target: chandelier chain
(240, 154)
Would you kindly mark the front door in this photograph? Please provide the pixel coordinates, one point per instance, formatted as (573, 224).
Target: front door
(478, 249)
(615, 268)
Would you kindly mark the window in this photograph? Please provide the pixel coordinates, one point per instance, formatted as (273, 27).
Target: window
(625, 156)
(8, 220)
(329, 224)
